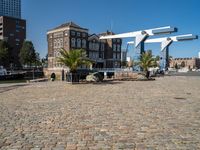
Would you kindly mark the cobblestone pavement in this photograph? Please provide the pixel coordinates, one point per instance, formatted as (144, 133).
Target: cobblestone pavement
(131, 115)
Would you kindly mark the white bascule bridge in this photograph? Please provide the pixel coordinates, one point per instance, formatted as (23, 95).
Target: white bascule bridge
(141, 37)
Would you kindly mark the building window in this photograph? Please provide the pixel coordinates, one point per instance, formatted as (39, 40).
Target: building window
(93, 46)
(83, 43)
(58, 34)
(90, 45)
(73, 42)
(79, 43)
(102, 46)
(101, 55)
(78, 34)
(114, 47)
(73, 33)
(118, 56)
(90, 54)
(118, 47)
(97, 46)
(83, 34)
(114, 55)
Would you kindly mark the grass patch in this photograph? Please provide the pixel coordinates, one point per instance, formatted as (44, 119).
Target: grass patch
(12, 81)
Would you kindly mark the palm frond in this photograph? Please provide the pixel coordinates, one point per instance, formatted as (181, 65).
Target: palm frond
(74, 58)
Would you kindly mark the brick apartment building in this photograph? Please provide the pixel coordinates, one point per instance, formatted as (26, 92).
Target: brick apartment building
(190, 63)
(104, 53)
(13, 30)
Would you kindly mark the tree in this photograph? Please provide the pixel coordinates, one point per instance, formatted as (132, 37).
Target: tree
(38, 61)
(146, 61)
(45, 61)
(27, 53)
(124, 63)
(176, 66)
(73, 59)
(4, 53)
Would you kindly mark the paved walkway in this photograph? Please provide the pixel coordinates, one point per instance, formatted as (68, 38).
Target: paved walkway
(133, 115)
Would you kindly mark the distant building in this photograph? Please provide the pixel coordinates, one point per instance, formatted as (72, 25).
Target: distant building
(104, 53)
(12, 27)
(10, 8)
(190, 63)
(123, 56)
(199, 54)
(13, 31)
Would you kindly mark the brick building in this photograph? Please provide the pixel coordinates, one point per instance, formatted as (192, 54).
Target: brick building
(104, 53)
(190, 63)
(13, 30)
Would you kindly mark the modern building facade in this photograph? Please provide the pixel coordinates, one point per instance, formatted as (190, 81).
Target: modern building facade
(10, 8)
(190, 63)
(104, 53)
(13, 30)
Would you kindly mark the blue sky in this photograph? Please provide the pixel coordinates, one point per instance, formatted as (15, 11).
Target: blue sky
(120, 15)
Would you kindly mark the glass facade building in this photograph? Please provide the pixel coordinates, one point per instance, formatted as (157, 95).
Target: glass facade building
(10, 8)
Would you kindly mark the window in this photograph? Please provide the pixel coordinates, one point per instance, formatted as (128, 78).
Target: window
(118, 47)
(97, 55)
(93, 46)
(90, 45)
(73, 33)
(78, 34)
(73, 42)
(58, 34)
(79, 43)
(83, 43)
(114, 47)
(118, 56)
(101, 55)
(90, 54)
(97, 46)
(114, 55)
(61, 43)
(102, 46)
(55, 53)
(83, 34)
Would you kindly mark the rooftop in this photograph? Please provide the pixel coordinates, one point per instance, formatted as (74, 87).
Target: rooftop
(69, 24)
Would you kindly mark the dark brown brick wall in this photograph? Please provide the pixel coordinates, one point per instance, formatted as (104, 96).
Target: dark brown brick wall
(14, 31)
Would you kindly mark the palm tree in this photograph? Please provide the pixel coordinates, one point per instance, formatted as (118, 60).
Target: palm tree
(146, 61)
(74, 59)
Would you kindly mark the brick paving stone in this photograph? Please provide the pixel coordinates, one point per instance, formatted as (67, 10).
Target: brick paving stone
(125, 115)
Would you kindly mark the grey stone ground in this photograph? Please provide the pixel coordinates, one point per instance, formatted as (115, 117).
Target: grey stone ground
(161, 114)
